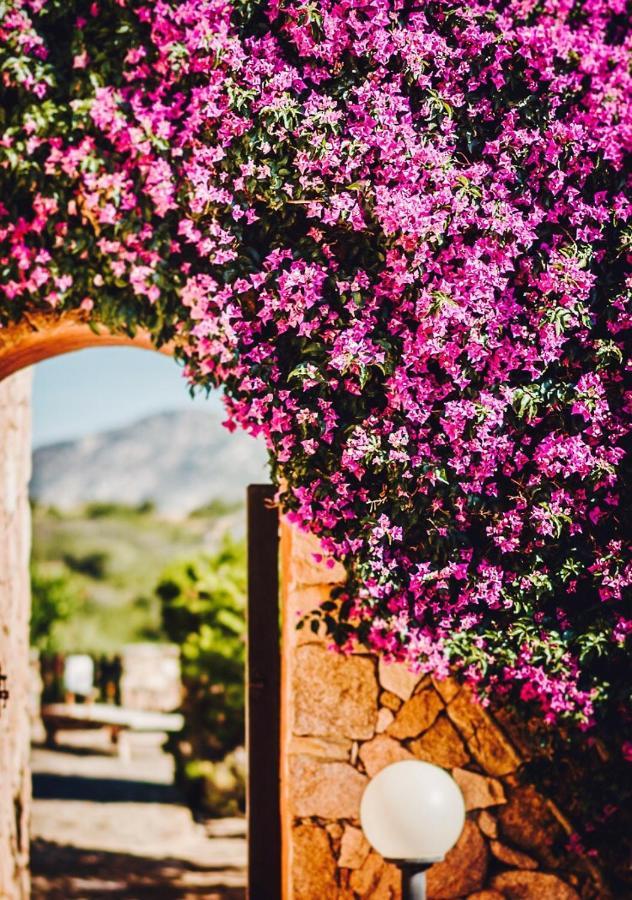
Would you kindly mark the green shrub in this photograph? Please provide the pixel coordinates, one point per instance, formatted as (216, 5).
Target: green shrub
(203, 604)
(54, 599)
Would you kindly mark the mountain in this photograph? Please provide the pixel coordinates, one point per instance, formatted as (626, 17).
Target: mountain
(179, 460)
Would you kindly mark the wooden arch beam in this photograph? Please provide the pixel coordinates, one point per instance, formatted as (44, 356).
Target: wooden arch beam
(40, 336)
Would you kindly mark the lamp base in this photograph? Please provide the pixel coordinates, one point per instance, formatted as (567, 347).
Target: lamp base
(414, 877)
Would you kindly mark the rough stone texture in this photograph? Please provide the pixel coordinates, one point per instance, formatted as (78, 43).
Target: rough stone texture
(390, 701)
(354, 848)
(329, 790)
(398, 679)
(300, 601)
(324, 757)
(488, 824)
(384, 719)
(376, 880)
(527, 822)
(447, 688)
(313, 864)
(335, 832)
(416, 715)
(464, 868)
(309, 563)
(517, 885)
(335, 695)
(315, 746)
(381, 752)
(488, 744)
(479, 791)
(511, 856)
(441, 745)
(15, 793)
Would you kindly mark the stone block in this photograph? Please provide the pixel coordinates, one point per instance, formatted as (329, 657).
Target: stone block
(441, 745)
(335, 832)
(390, 701)
(381, 752)
(313, 864)
(314, 746)
(527, 822)
(479, 791)
(309, 564)
(463, 870)
(488, 824)
(376, 880)
(397, 678)
(384, 719)
(447, 688)
(518, 885)
(485, 740)
(416, 715)
(512, 857)
(329, 790)
(335, 695)
(299, 603)
(354, 848)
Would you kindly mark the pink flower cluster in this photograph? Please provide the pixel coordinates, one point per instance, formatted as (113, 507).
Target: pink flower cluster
(397, 234)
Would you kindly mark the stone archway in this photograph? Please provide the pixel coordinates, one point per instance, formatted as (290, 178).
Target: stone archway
(39, 336)
(342, 717)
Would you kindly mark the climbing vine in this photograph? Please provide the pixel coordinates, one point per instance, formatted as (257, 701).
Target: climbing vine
(397, 235)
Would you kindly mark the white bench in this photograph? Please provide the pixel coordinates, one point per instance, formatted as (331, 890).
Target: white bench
(117, 719)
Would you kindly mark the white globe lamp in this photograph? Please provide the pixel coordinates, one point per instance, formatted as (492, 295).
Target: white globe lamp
(412, 813)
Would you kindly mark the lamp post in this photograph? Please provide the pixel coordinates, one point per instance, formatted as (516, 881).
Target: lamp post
(412, 813)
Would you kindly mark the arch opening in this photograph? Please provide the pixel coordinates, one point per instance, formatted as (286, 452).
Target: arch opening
(45, 337)
(40, 336)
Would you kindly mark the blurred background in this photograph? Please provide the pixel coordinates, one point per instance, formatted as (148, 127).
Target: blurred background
(137, 632)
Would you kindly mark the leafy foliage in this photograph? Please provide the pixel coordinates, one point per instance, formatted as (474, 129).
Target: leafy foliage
(54, 599)
(203, 610)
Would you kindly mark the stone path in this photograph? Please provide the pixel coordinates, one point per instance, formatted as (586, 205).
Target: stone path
(104, 828)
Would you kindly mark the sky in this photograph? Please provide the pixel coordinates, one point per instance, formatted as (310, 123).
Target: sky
(106, 387)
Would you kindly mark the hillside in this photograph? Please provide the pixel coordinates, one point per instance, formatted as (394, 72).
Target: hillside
(177, 460)
(112, 556)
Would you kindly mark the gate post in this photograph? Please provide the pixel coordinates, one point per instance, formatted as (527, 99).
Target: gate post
(263, 683)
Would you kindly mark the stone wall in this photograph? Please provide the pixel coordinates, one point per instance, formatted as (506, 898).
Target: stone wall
(346, 717)
(15, 784)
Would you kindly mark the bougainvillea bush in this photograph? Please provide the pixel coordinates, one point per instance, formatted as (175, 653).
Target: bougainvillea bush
(397, 234)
